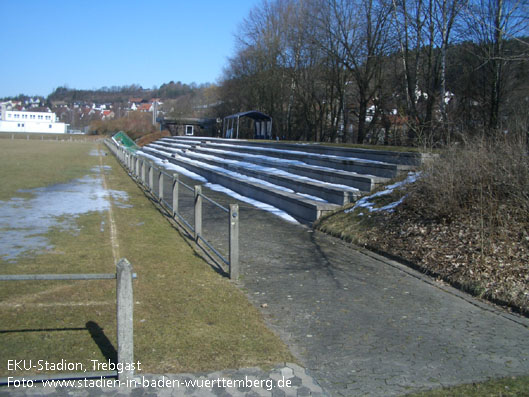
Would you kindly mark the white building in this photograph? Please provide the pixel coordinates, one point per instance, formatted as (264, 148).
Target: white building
(22, 121)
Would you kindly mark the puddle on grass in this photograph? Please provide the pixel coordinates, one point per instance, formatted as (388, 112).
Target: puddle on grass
(24, 222)
(100, 168)
(97, 152)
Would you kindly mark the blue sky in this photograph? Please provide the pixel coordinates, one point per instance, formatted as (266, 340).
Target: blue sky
(91, 44)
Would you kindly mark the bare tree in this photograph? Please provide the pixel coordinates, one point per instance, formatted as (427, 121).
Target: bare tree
(491, 23)
(360, 30)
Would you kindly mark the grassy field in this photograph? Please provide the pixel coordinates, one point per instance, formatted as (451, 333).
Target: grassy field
(186, 317)
(47, 137)
(507, 387)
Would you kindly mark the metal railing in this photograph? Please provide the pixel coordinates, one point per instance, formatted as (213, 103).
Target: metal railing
(154, 180)
(124, 310)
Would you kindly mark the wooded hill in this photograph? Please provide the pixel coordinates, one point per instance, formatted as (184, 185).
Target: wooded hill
(121, 94)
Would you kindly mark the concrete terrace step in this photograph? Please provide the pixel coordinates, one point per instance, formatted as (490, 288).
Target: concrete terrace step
(364, 183)
(337, 194)
(302, 208)
(305, 153)
(303, 180)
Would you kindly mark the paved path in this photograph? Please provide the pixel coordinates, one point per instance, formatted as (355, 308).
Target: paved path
(365, 325)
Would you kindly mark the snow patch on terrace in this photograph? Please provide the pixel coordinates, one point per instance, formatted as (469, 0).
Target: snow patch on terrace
(297, 152)
(255, 203)
(181, 170)
(172, 167)
(233, 174)
(368, 203)
(265, 169)
(278, 161)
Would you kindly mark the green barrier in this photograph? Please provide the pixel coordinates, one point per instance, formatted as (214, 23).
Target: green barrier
(125, 140)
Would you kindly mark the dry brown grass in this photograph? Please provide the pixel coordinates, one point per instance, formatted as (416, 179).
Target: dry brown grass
(146, 139)
(487, 177)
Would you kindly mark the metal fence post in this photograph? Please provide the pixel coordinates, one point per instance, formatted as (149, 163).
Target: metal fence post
(124, 318)
(176, 181)
(234, 241)
(160, 185)
(137, 166)
(151, 177)
(198, 211)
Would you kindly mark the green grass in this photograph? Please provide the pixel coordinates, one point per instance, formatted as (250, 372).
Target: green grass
(34, 163)
(506, 387)
(46, 136)
(186, 317)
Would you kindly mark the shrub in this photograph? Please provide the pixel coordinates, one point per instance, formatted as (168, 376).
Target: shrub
(489, 177)
(135, 125)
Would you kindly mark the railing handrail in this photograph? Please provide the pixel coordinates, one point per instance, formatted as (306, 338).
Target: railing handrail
(54, 277)
(124, 303)
(49, 277)
(215, 203)
(137, 169)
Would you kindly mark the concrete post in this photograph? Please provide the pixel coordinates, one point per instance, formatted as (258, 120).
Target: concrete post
(137, 166)
(175, 193)
(160, 186)
(234, 241)
(198, 211)
(346, 198)
(125, 317)
(144, 172)
(151, 177)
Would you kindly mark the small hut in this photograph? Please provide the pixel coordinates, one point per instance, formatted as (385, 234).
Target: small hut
(262, 125)
(189, 126)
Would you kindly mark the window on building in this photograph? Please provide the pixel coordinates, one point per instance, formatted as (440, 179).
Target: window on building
(189, 130)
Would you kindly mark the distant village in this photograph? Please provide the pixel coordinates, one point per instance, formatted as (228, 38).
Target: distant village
(76, 117)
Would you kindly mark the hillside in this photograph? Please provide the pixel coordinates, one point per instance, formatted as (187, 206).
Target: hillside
(120, 95)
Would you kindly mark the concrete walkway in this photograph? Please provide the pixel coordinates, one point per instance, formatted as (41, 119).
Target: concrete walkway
(365, 325)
